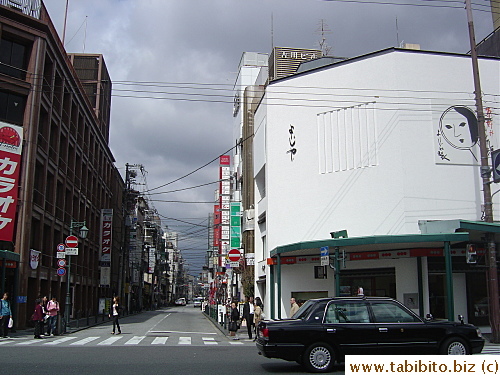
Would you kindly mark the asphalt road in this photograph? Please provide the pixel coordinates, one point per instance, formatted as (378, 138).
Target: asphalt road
(178, 340)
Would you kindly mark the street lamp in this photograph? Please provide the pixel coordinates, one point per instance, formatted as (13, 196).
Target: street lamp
(82, 233)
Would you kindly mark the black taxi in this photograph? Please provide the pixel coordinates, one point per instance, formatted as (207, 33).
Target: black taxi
(324, 330)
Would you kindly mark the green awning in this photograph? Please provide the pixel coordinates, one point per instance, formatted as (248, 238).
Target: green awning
(372, 243)
(9, 255)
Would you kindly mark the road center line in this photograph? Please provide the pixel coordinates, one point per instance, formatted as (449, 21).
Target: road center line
(165, 317)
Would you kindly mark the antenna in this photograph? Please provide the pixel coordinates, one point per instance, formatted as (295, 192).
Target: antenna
(64, 26)
(323, 30)
(397, 33)
(85, 34)
(272, 31)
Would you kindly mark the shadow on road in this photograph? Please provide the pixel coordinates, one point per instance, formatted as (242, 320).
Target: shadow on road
(292, 368)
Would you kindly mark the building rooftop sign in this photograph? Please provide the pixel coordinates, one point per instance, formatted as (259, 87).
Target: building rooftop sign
(285, 61)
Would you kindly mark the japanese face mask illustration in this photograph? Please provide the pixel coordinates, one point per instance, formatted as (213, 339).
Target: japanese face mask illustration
(458, 127)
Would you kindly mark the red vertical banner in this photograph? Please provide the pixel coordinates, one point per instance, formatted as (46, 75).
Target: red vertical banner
(11, 141)
(224, 201)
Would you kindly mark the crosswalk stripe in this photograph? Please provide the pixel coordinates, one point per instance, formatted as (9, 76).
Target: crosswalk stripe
(209, 341)
(84, 341)
(135, 340)
(59, 341)
(110, 340)
(159, 341)
(29, 342)
(148, 340)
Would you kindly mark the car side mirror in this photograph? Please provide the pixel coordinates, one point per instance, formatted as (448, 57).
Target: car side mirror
(429, 317)
(461, 319)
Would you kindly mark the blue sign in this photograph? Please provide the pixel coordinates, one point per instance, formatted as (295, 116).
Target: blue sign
(22, 299)
(61, 271)
(324, 251)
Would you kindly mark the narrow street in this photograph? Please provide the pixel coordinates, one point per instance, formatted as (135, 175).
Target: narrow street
(178, 339)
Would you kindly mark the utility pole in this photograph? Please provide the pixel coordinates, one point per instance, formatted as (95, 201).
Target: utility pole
(492, 275)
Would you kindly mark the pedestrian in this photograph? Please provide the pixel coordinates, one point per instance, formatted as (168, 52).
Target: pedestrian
(37, 317)
(294, 307)
(114, 313)
(248, 315)
(45, 300)
(5, 316)
(234, 316)
(52, 311)
(257, 316)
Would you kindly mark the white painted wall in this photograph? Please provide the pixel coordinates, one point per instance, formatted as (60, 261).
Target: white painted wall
(408, 180)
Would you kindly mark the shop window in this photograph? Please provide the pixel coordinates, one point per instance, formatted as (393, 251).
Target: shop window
(320, 272)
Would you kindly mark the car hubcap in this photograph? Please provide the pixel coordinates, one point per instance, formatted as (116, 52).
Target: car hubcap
(320, 358)
(456, 348)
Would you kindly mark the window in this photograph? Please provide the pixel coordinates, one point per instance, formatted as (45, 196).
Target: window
(391, 313)
(13, 58)
(12, 107)
(347, 312)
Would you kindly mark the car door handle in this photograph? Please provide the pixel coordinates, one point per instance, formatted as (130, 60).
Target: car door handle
(331, 330)
(383, 330)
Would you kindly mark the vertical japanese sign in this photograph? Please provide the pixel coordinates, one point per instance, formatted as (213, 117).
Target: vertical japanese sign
(216, 236)
(152, 260)
(235, 225)
(11, 138)
(224, 196)
(106, 245)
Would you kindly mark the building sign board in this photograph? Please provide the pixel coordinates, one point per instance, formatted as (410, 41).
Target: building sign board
(11, 141)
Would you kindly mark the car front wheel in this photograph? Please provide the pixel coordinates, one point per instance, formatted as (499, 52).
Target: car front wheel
(455, 346)
(319, 357)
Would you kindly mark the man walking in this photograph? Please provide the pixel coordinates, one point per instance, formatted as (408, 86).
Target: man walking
(294, 307)
(248, 312)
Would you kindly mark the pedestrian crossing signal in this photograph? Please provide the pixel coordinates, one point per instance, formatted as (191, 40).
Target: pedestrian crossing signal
(471, 254)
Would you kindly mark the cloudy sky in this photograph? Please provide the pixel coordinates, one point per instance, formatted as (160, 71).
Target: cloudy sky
(173, 64)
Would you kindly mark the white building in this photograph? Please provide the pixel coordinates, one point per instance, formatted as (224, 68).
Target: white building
(371, 145)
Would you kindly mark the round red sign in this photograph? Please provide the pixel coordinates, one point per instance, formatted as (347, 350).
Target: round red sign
(71, 241)
(234, 255)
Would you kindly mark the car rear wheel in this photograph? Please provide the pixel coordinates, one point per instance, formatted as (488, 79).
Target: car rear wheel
(319, 357)
(455, 346)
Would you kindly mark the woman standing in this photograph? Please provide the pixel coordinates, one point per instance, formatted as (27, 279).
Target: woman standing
(257, 315)
(233, 319)
(37, 317)
(114, 313)
(52, 311)
(5, 315)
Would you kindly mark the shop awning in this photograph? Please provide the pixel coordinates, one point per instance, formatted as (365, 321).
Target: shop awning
(372, 243)
(9, 255)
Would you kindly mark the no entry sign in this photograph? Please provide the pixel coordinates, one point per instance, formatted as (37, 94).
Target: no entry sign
(71, 241)
(234, 255)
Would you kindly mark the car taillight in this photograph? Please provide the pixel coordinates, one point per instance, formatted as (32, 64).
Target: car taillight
(265, 332)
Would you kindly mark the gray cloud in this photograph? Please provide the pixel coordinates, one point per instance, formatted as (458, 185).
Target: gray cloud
(201, 42)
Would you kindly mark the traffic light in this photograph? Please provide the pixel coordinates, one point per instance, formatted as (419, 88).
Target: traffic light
(471, 254)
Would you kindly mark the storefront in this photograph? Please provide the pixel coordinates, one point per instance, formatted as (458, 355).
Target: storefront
(429, 273)
(9, 275)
